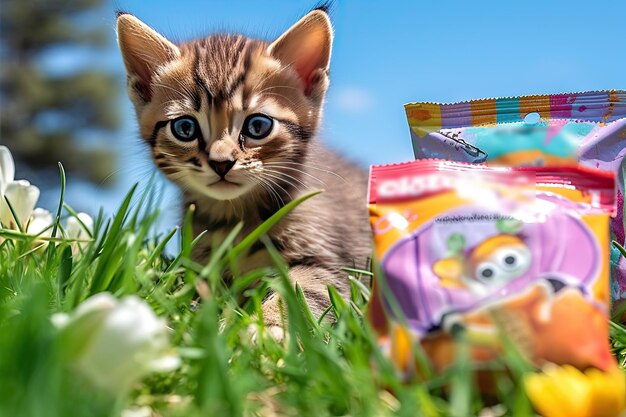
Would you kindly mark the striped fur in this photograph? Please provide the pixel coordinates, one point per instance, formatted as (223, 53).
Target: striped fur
(219, 80)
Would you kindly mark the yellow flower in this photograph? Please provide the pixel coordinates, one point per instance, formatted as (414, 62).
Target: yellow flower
(564, 391)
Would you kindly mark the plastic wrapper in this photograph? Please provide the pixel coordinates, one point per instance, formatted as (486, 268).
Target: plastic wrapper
(588, 128)
(518, 254)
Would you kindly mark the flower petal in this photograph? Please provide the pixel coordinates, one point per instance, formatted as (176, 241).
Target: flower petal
(103, 301)
(143, 411)
(60, 320)
(40, 223)
(165, 363)
(75, 230)
(114, 343)
(79, 327)
(7, 168)
(23, 197)
(568, 392)
(609, 391)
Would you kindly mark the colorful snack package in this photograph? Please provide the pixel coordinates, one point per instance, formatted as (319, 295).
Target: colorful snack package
(484, 250)
(588, 128)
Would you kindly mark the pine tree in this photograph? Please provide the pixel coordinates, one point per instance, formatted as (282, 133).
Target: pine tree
(45, 117)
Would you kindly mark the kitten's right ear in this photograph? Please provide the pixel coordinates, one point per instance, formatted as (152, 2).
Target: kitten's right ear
(143, 51)
(306, 47)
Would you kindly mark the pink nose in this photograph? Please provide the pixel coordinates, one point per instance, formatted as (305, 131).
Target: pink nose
(221, 167)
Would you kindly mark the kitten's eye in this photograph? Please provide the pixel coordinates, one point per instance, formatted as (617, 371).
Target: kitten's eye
(185, 128)
(257, 126)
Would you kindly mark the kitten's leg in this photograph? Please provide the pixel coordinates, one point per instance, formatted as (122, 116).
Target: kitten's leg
(313, 281)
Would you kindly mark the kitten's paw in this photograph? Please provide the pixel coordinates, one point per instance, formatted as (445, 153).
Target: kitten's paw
(276, 332)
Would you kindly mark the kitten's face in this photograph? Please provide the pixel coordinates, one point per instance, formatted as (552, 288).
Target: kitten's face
(224, 113)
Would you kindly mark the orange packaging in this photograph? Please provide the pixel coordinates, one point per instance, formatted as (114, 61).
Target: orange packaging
(486, 250)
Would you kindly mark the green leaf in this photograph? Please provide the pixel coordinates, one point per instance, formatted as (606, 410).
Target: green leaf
(456, 243)
(509, 226)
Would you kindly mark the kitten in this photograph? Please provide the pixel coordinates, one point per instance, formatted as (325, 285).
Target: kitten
(232, 121)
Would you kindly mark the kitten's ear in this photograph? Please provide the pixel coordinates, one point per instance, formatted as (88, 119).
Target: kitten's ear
(307, 46)
(143, 51)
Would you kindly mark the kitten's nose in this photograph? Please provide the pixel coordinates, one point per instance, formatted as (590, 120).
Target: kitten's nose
(221, 167)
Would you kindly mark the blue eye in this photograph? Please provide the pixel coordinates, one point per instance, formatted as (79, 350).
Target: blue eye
(257, 126)
(185, 128)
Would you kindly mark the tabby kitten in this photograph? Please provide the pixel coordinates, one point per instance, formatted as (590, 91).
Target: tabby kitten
(232, 121)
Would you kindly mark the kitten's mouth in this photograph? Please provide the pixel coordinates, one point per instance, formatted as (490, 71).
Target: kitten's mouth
(225, 190)
(224, 183)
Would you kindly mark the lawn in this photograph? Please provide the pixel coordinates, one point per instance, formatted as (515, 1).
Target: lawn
(210, 366)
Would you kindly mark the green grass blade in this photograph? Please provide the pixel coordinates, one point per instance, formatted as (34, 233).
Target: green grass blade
(268, 224)
(112, 250)
(218, 254)
(158, 250)
(304, 307)
(14, 214)
(462, 382)
(339, 305)
(57, 217)
(65, 270)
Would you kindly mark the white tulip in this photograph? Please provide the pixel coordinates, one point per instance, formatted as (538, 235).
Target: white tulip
(114, 343)
(23, 197)
(143, 411)
(75, 230)
(40, 223)
(7, 168)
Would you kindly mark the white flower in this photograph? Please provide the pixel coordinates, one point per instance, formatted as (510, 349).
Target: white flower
(23, 196)
(114, 343)
(40, 223)
(7, 168)
(143, 411)
(75, 230)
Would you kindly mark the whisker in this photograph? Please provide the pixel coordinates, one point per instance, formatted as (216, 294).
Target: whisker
(285, 175)
(270, 190)
(280, 186)
(269, 185)
(307, 167)
(300, 171)
(279, 178)
(165, 153)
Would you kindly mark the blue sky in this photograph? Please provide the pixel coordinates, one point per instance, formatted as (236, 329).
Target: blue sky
(387, 53)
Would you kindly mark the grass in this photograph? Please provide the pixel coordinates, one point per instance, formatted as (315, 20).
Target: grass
(319, 370)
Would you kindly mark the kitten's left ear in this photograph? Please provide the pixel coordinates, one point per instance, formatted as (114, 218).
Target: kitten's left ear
(307, 46)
